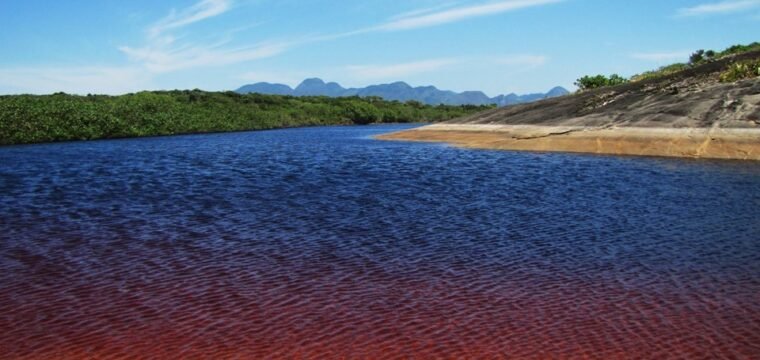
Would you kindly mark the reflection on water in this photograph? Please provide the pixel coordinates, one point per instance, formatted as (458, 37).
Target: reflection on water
(322, 243)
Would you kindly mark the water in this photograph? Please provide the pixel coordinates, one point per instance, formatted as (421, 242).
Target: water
(323, 243)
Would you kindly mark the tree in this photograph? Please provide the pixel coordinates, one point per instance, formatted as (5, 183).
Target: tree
(597, 81)
(616, 79)
(591, 82)
(362, 113)
(697, 57)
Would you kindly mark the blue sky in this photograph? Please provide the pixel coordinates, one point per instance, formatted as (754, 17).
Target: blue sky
(497, 46)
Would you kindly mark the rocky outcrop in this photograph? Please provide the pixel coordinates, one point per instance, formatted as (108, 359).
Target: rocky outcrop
(686, 114)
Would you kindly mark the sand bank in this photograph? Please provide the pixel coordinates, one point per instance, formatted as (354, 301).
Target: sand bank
(709, 143)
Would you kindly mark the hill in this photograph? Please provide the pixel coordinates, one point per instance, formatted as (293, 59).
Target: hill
(398, 91)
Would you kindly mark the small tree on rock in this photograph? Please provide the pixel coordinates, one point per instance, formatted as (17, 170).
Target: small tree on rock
(697, 57)
(598, 81)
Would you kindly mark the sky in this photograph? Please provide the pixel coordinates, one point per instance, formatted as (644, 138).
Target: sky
(495, 46)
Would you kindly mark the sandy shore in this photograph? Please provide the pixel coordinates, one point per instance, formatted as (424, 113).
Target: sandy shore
(709, 143)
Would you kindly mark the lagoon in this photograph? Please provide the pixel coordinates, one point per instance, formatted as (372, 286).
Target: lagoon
(324, 243)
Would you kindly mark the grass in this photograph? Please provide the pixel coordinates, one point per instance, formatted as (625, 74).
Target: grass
(674, 68)
(741, 70)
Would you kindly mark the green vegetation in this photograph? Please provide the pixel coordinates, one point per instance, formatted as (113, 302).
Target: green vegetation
(741, 70)
(662, 71)
(737, 71)
(60, 117)
(701, 56)
(738, 49)
(597, 81)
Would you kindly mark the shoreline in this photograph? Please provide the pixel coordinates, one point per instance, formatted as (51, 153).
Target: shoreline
(220, 132)
(699, 143)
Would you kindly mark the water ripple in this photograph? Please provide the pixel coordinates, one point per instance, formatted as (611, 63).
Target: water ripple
(322, 243)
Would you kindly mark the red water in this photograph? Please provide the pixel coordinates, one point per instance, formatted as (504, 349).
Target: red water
(333, 245)
(230, 307)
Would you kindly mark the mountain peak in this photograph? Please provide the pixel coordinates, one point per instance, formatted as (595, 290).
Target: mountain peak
(312, 81)
(318, 87)
(266, 88)
(557, 91)
(399, 91)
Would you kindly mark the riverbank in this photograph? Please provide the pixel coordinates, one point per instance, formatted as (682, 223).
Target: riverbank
(26, 119)
(698, 112)
(708, 143)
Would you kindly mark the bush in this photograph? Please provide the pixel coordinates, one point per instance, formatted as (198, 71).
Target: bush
(741, 70)
(29, 119)
(363, 113)
(663, 71)
(616, 79)
(738, 49)
(597, 81)
(697, 57)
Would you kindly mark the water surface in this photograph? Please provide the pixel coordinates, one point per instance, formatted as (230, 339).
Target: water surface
(323, 243)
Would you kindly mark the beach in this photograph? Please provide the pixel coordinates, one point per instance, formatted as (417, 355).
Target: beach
(707, 143)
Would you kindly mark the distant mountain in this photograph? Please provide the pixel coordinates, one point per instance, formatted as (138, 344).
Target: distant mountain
(400, 91)
(266, 88)
(317, 87)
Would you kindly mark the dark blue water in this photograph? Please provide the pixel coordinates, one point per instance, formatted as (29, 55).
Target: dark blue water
(322, 242)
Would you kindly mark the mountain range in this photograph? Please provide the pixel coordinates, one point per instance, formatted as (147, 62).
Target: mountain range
(399, 91)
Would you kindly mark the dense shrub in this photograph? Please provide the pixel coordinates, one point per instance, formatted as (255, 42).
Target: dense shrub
(58, 117)
(738, 49)
(741, 70)
(697, 57)
(592, 82)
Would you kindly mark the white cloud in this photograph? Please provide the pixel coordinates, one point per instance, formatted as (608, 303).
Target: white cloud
(163, 53)
(438, 15)
(662, 56)
(427, 18)
(200, 11)
(162, 59)
(522, 62)
(76, 80)
(396, 71)
(424, 11)
(723, 7)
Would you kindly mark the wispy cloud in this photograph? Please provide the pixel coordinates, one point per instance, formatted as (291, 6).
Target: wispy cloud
(398, 71)
(167, 47)
(717, 8)
(422, 19)
(395, 71)
(434, 16)
(661, 56)
(162, 59)
(200, 11)
(78, 80)
(424, 11)
(163, 53)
